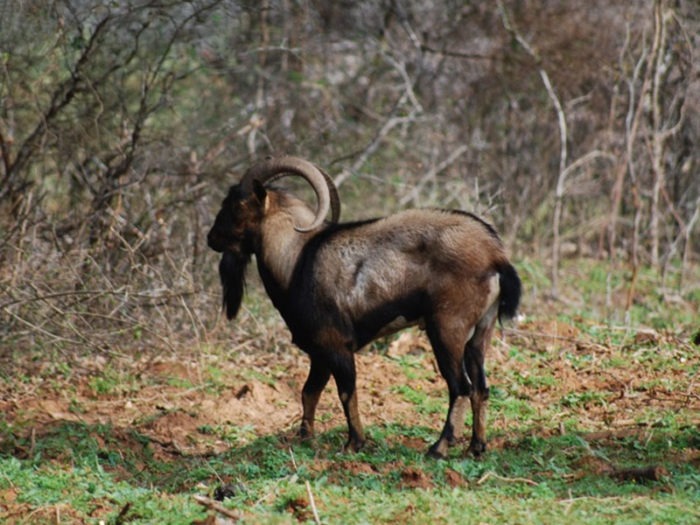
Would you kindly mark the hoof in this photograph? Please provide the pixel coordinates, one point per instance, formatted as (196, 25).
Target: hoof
(306, 433)
(353, 445)
(477, 448)
(437, 451)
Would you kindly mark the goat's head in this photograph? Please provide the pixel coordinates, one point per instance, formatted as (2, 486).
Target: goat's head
(236, 229)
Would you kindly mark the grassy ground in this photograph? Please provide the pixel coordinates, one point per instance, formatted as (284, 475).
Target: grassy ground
(594, 418)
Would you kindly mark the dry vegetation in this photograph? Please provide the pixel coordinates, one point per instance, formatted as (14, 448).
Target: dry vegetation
(572, 127)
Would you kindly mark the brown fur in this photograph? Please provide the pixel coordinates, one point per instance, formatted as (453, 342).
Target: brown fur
(340, 287)
(418, 249)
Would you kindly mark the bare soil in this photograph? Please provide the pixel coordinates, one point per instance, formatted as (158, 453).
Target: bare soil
(176, 405)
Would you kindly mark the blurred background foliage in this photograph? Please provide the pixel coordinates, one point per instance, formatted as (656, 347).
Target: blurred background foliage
(572, 126)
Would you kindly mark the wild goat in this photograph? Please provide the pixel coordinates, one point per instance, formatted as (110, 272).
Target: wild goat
(340, 286)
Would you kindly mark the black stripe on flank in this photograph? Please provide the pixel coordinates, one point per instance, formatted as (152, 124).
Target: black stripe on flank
(411, 307)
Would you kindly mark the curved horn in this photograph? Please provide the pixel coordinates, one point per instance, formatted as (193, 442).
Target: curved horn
(335, 199)
(274, 168)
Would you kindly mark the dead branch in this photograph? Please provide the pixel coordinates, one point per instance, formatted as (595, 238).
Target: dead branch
(312, 502)
(430, 175)
(60, 99)
(457, 54)
(217, 507)
(556, 337)
(491, 474)
(563, 138)
(391, 122)
(657, 62)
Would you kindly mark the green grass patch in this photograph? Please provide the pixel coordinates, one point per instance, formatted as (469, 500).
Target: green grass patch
(425, 403)
(594, 423)
(101, 474)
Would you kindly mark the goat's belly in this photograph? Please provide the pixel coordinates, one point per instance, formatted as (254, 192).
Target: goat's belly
(368, 332)
(394, 326)
(397, 324)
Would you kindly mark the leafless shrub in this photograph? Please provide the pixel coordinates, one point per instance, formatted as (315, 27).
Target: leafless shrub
(120, 121)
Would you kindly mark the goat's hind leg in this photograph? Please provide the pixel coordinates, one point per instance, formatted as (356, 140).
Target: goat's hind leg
(343, 370)
(474, 353)
(448, 346)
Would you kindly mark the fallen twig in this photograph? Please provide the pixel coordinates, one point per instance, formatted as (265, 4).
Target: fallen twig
(215, 506)
(543, 335)
(312, 502)
(317, 519)
(491, 474)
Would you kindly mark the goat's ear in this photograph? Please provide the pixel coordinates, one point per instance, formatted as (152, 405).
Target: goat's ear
(259, 190)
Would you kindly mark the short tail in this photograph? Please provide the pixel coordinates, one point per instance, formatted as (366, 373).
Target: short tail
(511, 289)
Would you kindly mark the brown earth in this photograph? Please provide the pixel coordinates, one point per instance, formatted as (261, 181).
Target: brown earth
(211, 402)
(176, 405)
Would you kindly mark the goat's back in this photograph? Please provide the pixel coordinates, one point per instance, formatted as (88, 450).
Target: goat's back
(415, 237)
(412, 252)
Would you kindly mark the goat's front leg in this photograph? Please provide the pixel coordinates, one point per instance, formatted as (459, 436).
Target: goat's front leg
(319, 374)
(343, 370)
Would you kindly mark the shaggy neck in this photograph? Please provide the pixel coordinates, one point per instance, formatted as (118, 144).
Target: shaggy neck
(281, 244)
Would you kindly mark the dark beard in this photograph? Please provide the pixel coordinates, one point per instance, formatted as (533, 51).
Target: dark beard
(232, 273)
